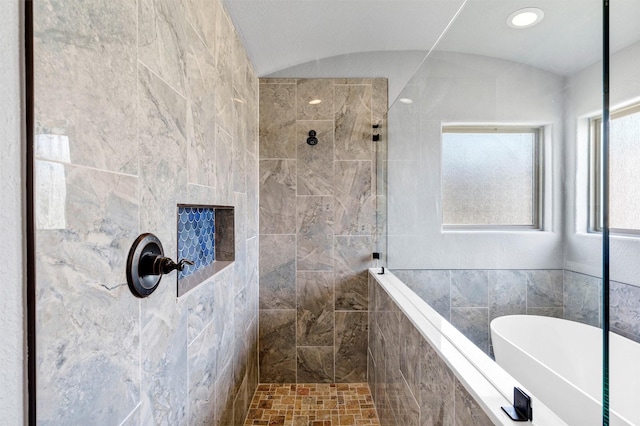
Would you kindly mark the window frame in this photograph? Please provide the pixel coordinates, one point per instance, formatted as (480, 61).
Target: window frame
(595, 171)
(537, 182)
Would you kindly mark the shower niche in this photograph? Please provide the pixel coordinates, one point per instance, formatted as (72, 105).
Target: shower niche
(205, 235)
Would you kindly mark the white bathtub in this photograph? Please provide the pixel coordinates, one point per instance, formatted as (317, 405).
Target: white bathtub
(561, 362)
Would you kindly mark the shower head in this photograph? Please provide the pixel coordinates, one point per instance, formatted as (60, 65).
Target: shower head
(312, 140)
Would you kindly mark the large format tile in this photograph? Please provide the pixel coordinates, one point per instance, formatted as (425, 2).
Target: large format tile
(253, 282)
(315, 364)
(410, 353)
(474, 324)
(379, 100)
(625, 309)
(311, 89)
(544, 289)
(353, 122)
(277, 196)
(240, 241)
(200, 306)
(84, 306)
(224, 396)
(355, 204)
(436, 388)
(164, 369)
(277, 272)
(507, 293)
(202, 149)
(253, 190)
(202, 358)
(224, 166)
(162, 40)
(434, 287)
(277, 121)
(315, 309)
(199, 13)
(277, 346)
(315, 162)
(315, 234)
(408, 410)
(162, 121)
(223, 53)
(224, 313)
(467, 410)
(241, 404)
(200, 91)
(469, 288)
(85, 81)
(241, 340)
(405, 275)
(546, 312)
(351, 346)
(241, 139)
(582, 298)
(352, 260)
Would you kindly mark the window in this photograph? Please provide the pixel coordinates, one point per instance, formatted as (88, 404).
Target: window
(491, 177)
(624, 171)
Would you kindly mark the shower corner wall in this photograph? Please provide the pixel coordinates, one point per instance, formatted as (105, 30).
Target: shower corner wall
(317, 226)
(141, 107)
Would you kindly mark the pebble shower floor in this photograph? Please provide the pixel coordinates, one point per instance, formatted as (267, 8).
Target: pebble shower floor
(312, 405)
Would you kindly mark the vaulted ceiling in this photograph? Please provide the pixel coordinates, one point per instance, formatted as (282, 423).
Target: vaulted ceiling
(390, 38)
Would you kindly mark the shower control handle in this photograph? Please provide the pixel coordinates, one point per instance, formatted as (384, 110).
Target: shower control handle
(146, 264)
(159, 265)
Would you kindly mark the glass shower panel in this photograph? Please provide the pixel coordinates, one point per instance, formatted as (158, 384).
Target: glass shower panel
(624, 213)
(486, 74)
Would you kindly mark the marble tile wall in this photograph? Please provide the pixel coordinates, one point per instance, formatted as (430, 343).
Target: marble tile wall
(470, 299)
(410, 383)
(317, 226)
(141, 106)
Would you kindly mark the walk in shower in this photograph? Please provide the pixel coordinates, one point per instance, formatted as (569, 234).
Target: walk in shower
(507, 194)
(380, 225)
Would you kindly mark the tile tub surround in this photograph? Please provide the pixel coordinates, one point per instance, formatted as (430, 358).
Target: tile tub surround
(422, 371)
(134, 115)
(317, 226)
(470, 299)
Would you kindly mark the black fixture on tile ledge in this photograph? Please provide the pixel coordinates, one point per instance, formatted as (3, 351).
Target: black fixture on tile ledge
(146, 264)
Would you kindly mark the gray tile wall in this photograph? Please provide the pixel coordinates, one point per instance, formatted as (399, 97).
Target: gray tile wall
(411, 384)
(470, 299)
(141, 106)
(317, 226)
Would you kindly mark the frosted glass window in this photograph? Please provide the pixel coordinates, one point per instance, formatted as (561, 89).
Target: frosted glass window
(489, 176)
(624, 170)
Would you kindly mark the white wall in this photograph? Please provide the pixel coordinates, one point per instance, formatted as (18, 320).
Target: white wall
(462, 88)
(12, 353)
(584, 250)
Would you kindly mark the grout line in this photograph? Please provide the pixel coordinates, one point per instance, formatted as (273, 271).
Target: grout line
(161, 79)
(82, 166)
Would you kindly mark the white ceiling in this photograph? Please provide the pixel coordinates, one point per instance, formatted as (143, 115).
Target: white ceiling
(389, 38)
(282, 33)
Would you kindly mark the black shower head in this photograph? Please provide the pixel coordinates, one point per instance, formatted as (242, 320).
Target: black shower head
(312, 140)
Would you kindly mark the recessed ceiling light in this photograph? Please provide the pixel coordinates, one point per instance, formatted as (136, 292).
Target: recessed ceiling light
(406, 100)
(525, 18)
(315, 101)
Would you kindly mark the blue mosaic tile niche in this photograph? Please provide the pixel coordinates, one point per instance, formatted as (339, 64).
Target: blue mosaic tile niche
(196, 238)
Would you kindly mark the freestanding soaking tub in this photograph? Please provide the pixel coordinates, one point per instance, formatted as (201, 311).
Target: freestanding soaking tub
(561, 362)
